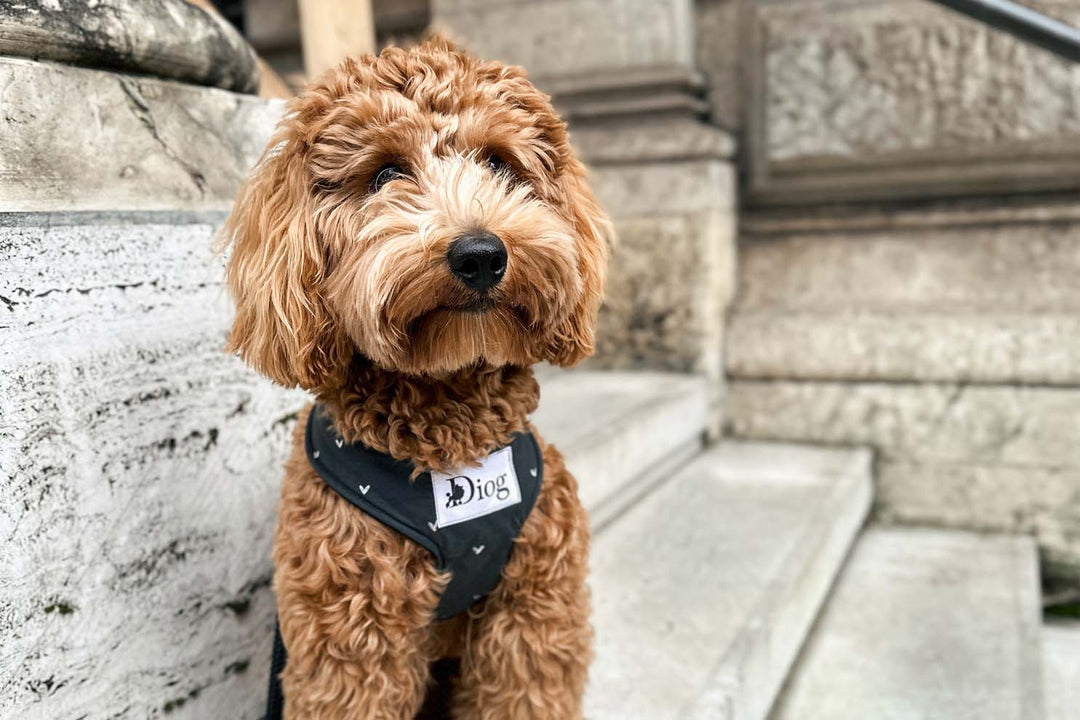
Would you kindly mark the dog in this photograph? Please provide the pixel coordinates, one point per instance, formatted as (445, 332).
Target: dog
(416, 236)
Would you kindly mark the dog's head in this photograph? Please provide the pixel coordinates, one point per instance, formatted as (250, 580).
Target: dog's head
(422, 209)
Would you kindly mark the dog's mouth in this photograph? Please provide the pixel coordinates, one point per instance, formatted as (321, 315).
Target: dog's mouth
(480, 304)
(476, 306)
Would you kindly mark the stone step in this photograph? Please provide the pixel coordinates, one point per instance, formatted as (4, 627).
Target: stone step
(1001, 458)
(618, 430)
(1061, 669)
(925, 623)
(704, 591)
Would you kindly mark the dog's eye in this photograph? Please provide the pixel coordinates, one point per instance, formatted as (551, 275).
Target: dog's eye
(385, 174)
(497, 165)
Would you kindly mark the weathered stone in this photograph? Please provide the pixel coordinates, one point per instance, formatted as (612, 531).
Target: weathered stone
(703, 592)
(129, 143)
(635, 94)
(664, 188)
(669, 283)
(866, 328)
(141, 467)
(394, 17)
(925, 624)
(604, 34)
(670, 279)
(874, 98)
(930, 216)
(1058, 531)
(672, 273)
(965, 456)
(1041, 501)
(272, 24)
(1035, 427)
(1010, 268)
(652, 141)
(873, 79)
(1061, 669)
(612, 426)
(720, 54)
(905, 347)
(164, 38)
(1005, 498)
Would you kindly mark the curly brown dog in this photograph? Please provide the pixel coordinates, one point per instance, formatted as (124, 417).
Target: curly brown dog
(417, 234)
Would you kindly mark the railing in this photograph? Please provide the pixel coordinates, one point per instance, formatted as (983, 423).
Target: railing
(1023, 23)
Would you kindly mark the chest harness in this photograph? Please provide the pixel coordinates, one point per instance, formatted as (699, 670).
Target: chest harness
(467, 518)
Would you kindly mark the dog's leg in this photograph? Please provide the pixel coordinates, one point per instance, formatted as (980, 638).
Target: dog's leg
(355, 607)
(529, 647)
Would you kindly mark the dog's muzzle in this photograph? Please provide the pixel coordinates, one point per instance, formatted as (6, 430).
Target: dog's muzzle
(478, 260)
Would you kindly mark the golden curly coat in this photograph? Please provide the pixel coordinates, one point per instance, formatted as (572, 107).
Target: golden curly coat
(342, 286)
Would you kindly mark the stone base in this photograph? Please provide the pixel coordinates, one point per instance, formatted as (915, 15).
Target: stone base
(128, 143)
(1061, 668)
(558, 38)
(903, 347)
(142, 469)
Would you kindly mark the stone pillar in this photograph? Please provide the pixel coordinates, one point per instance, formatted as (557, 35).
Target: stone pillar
(622, 72)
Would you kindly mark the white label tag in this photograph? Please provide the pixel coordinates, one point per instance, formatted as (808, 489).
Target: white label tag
(473, 492)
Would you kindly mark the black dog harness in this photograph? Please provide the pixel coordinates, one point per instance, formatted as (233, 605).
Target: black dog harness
(468, 518)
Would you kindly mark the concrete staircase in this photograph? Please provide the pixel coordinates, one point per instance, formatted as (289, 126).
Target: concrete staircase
(735, 583)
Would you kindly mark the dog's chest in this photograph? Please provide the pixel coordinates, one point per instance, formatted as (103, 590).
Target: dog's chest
(468, 519)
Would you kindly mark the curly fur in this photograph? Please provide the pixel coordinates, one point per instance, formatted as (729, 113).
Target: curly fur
(345, 290)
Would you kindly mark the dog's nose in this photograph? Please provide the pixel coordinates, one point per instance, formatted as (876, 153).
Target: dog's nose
(478, 259)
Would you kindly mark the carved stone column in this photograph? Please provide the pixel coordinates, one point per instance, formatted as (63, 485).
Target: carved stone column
(622, 72)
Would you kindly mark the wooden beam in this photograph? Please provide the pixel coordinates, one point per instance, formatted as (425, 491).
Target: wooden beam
(271, 85)
(331, 30)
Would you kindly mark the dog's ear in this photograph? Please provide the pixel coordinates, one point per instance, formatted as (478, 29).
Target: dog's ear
(575, 339)
(275, 269)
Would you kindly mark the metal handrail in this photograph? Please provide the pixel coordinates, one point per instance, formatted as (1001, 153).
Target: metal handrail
(1023, 23)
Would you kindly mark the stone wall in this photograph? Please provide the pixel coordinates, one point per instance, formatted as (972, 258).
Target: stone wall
(139, 464)
(881, 99)
(872, 307)
(944, 337)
